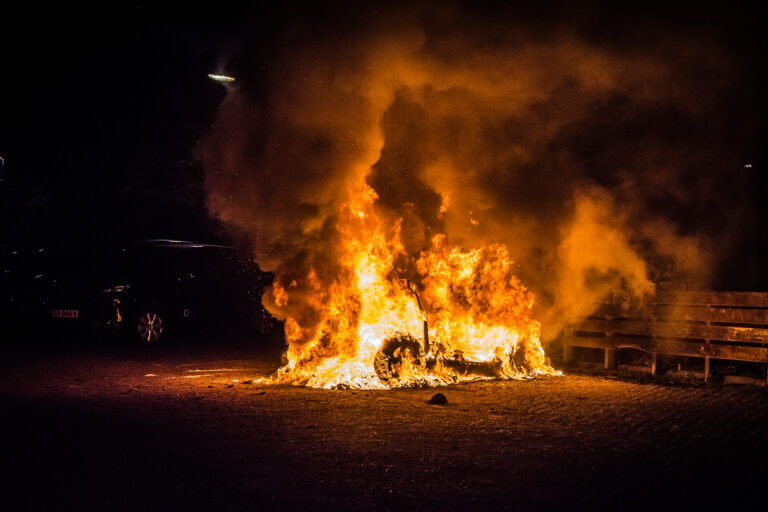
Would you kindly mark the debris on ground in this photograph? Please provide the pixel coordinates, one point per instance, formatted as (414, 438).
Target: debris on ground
(438, 399)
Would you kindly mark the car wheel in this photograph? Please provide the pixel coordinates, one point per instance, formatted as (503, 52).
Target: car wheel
(393, 352)
(149, 327)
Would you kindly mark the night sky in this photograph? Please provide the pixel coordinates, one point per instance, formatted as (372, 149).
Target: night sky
(102, 110)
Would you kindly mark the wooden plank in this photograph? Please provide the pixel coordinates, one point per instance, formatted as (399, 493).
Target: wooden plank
(690, 330)
(737, 353)
(738, 316)
(719, 314)
(759, 299)
(741, 334)
(712, 332)
(680, 312)
(694, 313)
(682, 329)
(675, 347)
(593, 325)
(678, 305)
(590, 342)
(630, 326)
(603, 309)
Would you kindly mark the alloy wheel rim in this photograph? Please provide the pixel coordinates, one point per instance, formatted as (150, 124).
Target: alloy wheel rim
(150, 326)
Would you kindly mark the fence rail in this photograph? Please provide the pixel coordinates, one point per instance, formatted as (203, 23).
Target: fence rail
(719, 325)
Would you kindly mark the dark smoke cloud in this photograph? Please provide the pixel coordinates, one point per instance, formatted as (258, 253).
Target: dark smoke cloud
(604, 161)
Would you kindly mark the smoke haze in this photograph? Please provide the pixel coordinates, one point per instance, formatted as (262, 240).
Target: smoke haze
(603, 166)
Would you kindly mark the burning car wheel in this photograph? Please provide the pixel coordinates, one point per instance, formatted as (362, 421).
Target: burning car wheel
(395, 351)
(149, 327)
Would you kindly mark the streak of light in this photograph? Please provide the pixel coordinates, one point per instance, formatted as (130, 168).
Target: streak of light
(221, 78)
(215, 370)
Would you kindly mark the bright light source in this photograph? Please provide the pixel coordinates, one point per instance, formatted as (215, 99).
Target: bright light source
(748, 166)
(221, 78)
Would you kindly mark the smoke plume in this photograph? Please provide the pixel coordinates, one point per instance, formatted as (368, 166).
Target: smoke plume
(601, 165)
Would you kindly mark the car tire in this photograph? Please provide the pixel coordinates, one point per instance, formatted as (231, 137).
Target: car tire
(387, 361)
(150, 326)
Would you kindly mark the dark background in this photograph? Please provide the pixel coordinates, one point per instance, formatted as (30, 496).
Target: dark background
(101, 108)
(101, 112)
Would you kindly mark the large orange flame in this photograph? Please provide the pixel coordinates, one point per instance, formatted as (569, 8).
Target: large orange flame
(475, 307)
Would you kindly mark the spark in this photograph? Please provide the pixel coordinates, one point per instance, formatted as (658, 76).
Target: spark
(221, 78)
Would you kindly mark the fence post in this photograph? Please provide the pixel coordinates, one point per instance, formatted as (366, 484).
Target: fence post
(567, 352)
(654, 332)
(706, 341)
(609, 358)
(609, 362)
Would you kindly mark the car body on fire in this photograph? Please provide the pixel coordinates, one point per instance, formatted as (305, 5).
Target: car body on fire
(145, 290)
(403, 351)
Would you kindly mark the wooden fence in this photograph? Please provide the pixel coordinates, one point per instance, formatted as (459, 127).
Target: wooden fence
(720, 325)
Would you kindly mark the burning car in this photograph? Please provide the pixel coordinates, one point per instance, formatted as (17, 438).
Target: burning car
(402, 353)
(356, 324)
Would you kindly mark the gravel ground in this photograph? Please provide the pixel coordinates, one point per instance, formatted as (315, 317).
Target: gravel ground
(123, 428)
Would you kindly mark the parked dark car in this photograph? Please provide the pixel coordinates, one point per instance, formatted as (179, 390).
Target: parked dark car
(147, 291)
